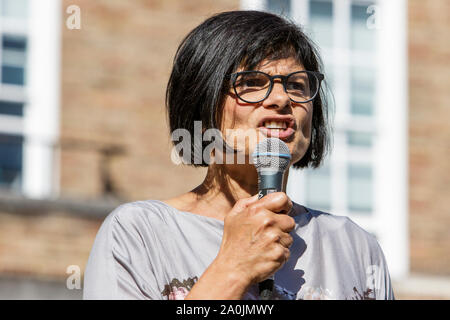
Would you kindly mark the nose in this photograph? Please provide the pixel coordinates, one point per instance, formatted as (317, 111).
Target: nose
(278, 98)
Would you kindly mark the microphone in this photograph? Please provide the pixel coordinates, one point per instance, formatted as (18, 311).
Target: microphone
(271, 159)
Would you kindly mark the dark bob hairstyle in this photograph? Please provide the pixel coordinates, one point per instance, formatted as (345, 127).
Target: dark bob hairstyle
(218, 47)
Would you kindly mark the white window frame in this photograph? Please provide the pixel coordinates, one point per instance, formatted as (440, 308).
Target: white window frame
(39, 125)
(388, 155)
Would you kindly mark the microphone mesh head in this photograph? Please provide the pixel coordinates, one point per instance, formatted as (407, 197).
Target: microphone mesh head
(271, 154)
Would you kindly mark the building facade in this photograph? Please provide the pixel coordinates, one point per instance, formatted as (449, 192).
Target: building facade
(83, 125)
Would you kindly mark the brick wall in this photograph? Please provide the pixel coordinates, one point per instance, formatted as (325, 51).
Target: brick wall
(41, 238)
(114, 74)
(114, 71)
(44, 245)
(429, 135)
(114, 135)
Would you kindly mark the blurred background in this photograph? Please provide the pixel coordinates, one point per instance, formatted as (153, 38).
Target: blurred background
(83, 128)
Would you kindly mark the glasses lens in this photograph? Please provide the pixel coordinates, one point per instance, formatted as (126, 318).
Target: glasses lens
(302, 86)
(252, 86)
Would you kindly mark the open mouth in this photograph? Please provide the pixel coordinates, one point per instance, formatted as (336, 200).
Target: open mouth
(278, 127)
(274, 124)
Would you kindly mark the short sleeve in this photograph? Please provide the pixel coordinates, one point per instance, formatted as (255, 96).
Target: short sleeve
(120, 265)
(377, 275)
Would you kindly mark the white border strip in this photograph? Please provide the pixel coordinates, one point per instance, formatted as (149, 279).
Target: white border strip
(41, 121)
(391, 193)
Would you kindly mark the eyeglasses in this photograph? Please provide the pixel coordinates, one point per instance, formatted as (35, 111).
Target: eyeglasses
(255, 86)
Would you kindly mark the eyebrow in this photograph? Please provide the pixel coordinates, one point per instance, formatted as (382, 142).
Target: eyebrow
(299, 68)
(285, 73)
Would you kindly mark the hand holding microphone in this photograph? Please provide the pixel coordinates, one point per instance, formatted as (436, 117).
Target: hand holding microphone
(256, 237)
(271, 159)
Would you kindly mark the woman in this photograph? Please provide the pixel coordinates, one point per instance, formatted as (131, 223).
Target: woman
(251, 72)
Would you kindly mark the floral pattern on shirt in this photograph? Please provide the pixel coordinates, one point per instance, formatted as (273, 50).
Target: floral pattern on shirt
(178, 290)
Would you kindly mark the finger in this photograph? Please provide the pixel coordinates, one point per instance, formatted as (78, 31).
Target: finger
(287, 255)
(283, 254)
(284, 222)
(286, 240)
(241, 204)
(276, 202)
(279, 237)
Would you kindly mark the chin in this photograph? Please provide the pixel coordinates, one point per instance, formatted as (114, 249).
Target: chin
(298, 150)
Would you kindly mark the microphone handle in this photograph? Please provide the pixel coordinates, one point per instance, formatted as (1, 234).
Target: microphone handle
(266, 288)
(268, 183)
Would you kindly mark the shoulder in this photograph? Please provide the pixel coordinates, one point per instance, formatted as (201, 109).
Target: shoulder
(139, 212)
(135, 219)
(120, 251)
(342, 228)
(332, 222)
(132, 216)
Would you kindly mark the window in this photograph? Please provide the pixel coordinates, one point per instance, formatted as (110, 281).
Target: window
(10, 161)
(282, 7)
(11, 108)
(362, 36)
(14, 9)
(364, 65)
(321, 23)
(347, 48)
(357, 139)
(360, 188)
(13, 59)
(362, 90)
(318, 191)
(29, 90)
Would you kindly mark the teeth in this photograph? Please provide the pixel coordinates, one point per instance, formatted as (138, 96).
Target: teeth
(275, 124)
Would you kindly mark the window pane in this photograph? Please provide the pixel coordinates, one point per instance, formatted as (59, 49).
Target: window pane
(13, 59)
(360, 189)
(10, 161)
(11, 108)
(14, 8)
(362, 37)
(321, 22)
(12, 75)
(359, 139)
(362, 90)
(282, 7)
(318, 190)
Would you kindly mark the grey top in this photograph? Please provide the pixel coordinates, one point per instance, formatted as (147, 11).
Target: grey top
(150, 250)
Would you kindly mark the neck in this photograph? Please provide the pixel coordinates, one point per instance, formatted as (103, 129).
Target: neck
(223, 186)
